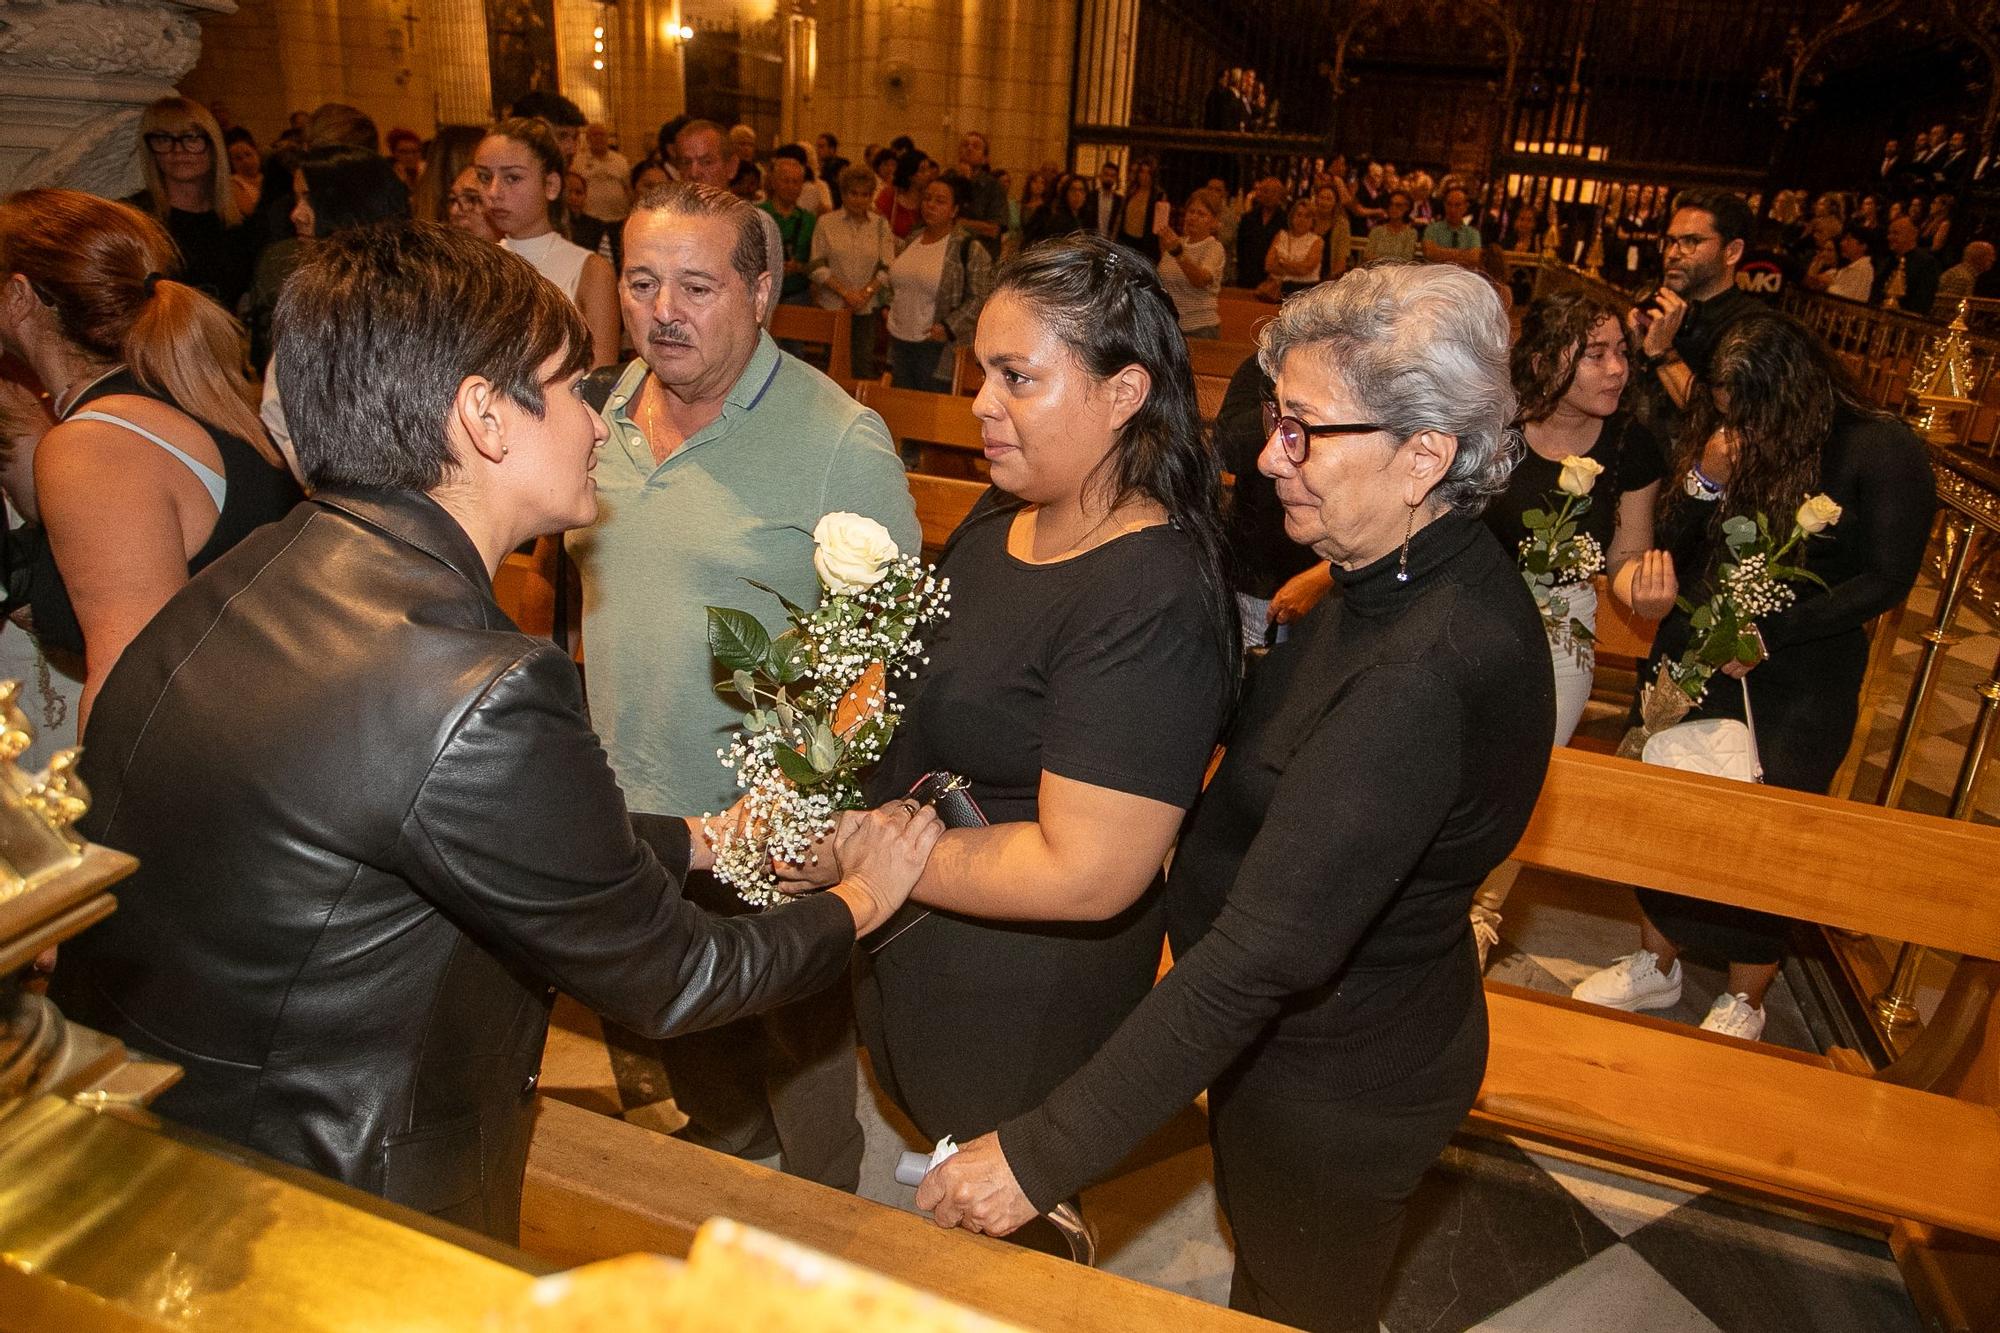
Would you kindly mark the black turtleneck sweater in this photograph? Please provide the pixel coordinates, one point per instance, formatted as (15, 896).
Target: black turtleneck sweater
(1388, 757)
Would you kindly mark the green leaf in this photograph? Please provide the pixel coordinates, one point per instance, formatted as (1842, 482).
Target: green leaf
(745, 686)
(787, 658)
(1739, 531)
(1536, 519)
(792, 608)
(756, 720)
(1581, 632)
(1748, 652)
(822, 747)
(796, 767)
(1703, 619)
(736, 640)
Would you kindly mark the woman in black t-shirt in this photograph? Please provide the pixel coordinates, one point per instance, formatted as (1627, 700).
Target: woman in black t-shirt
(1570, 367)
(1079, 686)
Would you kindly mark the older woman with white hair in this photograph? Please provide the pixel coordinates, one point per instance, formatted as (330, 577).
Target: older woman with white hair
(1325, 988)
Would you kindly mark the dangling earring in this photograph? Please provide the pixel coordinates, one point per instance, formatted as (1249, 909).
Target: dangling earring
(1403, 560)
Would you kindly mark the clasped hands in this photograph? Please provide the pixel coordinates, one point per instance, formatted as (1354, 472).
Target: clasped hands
(872, 860)
(974, 1188)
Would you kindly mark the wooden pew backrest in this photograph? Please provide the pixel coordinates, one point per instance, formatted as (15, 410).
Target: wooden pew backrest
(831, 329)
(1814, 858)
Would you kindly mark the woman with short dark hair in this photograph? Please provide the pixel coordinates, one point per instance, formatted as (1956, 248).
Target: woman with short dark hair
(1324, 988)
(376, 833)
(333, 188)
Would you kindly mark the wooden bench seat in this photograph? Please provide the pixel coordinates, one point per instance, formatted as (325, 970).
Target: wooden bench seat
(598, 1187)
(1755, 1117)
(1745, 1114)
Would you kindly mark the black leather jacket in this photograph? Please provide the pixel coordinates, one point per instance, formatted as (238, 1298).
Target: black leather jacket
(376, 836)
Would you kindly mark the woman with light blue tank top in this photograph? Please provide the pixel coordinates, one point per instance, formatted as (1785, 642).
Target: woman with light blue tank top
(126, 352)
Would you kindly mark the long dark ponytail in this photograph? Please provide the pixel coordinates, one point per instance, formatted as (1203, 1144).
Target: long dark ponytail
(1108, 307)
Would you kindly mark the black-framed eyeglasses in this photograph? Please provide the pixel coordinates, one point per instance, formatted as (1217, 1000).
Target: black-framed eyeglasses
(1295, 437)
(1689, 242)
(164, 141)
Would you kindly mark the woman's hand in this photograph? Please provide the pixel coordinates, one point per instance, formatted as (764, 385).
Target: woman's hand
(883, 853)
(822, 864)
(1300, 594)
(1650, 587)
(937, 333)
(974, 1188)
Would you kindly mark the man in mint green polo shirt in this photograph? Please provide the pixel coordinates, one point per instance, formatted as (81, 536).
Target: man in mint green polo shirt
(723, 453)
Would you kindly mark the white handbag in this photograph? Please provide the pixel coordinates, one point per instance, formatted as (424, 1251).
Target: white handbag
(1721, 747)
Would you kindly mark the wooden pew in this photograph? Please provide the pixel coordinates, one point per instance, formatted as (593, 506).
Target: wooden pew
(1243, 313)
(935, 432)
(831, 329)
(598, 1187)
(1214, 362)
(942, 504)
(1773, 1122)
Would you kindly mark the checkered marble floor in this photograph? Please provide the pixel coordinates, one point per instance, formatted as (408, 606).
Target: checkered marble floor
(1500, 1237)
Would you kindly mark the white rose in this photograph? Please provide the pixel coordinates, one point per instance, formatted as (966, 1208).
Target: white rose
(1579, 474)
(1817, 514)
(851, 552)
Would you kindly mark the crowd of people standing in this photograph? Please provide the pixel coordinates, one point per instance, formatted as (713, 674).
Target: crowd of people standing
(267, 597)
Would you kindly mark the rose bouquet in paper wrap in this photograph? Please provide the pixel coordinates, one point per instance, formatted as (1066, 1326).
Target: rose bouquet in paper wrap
(820, 706)
(1754, 581)
(1556, 558)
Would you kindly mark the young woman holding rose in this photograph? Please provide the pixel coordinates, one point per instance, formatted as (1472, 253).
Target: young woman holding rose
(1780, 422)
(1570, 367)
(1078, 686)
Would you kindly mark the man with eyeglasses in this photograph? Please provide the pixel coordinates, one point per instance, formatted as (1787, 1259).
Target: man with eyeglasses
(1676, 330)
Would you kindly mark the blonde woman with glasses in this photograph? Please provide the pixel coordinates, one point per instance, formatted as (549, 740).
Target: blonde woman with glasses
(188, 189)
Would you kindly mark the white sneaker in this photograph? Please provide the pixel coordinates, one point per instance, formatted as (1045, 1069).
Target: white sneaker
(1633, 982)
(1732, 1016)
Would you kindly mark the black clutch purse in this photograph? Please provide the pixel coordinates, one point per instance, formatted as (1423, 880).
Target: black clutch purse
(947, 794)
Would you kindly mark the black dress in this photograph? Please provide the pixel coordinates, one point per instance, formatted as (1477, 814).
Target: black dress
(257, 493)
(1806, 694)
(1325, 987)
(1632, 459)
(1103, 669)
(219, 259)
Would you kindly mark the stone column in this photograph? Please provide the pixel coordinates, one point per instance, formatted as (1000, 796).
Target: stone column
(1106, 50)
(457, 59)
(74, 76)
